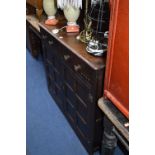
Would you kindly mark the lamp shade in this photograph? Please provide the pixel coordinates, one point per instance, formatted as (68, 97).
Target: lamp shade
(75, 3)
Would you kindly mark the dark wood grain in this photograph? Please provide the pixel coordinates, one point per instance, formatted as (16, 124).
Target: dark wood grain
(75, 81)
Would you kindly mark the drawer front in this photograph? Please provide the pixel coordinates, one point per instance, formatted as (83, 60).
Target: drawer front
(70, 111)
(49, 42)
(69, 78)
(70, 104)
(54, 74)
(48, 53)
(77, 65)
(49, 57)
(69, 94)
(59, 96)
(84, 93)
(50, 70)
(44, 34)
(83, 127)
(58, 79)
(83, 110)
(57, 64)
(51, 86)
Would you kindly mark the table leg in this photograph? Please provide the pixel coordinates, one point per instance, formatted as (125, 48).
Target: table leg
(109, 141)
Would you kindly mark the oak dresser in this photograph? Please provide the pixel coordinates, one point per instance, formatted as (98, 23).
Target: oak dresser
(75, 81)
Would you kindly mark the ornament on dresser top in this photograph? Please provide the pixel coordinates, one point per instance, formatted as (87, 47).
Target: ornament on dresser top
(71, 9)
(86, 34)
(55, 31)
(99, 15)
(50, 8)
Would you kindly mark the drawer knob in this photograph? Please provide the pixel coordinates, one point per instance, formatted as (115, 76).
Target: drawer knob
(77, 67)
(50, 42)
(44, 36)
(66, 57)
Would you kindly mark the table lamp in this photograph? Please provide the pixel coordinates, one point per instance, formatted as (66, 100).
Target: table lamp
(50, 9)
(99, 15)
(71, 9)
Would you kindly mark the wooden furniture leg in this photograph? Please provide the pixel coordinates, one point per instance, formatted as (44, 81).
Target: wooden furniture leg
(116, 127)
(109, 141)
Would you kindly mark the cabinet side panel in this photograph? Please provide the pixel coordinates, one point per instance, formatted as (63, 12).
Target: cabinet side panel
(117, 71)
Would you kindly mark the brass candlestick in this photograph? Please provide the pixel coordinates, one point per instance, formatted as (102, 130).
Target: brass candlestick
(86, 34)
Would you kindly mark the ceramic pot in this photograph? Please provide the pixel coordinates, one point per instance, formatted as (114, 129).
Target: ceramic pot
(50, 9)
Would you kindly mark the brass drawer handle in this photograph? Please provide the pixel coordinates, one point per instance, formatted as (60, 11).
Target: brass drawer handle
(77, 67)
(66, 57)
(50, 42)
(44, 36)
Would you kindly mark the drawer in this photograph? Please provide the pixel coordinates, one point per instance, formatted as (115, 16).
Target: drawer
(50, 53)
(44, 34)
(51, 42)
(83, 127)
(69, 94)
(50, 70)
(59, 95)
(54, 63)
(58, 67)
(49, 56)
(81, 68)
(51, 86)
(58, 79)
(69, 78)
(82, 109)
(70, 111)
(78, 66)
(84, 93)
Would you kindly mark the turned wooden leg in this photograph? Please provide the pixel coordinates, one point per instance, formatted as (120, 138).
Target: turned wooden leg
(39, 13)
(109, 141)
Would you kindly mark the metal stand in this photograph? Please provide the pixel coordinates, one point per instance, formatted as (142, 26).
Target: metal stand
(86, 34)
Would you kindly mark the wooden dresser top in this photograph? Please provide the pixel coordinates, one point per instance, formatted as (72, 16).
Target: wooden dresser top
(33, 20)
(77, 47)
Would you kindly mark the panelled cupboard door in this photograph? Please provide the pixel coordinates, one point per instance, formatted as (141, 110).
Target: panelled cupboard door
(116, 82)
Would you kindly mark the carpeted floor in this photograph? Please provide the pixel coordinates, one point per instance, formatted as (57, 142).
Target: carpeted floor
(48, 132)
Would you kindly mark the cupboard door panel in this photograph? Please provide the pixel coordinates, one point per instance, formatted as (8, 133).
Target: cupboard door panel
(82, 109)
(69, 78)
(84, 92)
(70, 111)
(60, 96)
(83, 127)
